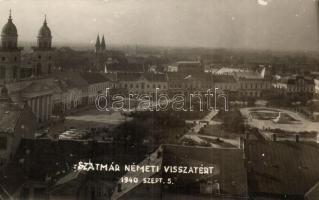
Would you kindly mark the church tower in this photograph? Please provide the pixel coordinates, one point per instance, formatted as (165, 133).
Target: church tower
(97, 45)
(100, 54)
(10, 53)
(42, 53)
(103, 46)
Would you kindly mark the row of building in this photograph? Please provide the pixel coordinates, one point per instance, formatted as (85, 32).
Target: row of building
(50, 92)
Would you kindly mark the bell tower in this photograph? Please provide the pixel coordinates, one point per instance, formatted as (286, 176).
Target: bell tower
(42, 53)
(10, 53)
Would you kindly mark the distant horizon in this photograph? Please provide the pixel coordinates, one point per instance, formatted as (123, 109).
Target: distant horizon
(231, 24)
(113, 46)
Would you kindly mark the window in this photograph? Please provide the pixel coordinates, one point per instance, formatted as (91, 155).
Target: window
(3, 143)
(15, 72)
(3, 58)
(2, 72)
(39, 57)
(38, 70)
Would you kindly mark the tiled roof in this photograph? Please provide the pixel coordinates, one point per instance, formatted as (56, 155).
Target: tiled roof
(230, 170)
(70, 79)
(137, 68)
(224, 79)
(155, 77)
(137, 76)
(248, 75)
(293, 80)
(282, 168)
(38, 87)
(93, 78)
(180, 76)
(128, 76)
(313, 193)
(188, 63)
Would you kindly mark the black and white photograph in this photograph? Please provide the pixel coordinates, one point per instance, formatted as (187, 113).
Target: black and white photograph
(159, 100)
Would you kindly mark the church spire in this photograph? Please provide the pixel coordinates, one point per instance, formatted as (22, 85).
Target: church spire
(10, 17)
(103, 46)
(97, 44)
(45, 19)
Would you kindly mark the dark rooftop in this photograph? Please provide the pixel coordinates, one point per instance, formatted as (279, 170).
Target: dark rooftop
(282, 168)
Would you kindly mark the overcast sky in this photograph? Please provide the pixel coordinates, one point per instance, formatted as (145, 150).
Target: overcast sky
(261, 24)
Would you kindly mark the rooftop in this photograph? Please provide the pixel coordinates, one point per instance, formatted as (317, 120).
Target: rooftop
(280, 168)
(93, 78)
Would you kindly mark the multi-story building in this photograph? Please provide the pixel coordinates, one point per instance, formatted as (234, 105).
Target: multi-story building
(97, 84)
(142, 83)
(301, 85)
(71, 91)
(297, 86)
(253, 84)
(189, 82)
(226, 83)
(254, 87)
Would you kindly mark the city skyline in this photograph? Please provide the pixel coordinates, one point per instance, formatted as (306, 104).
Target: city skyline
(273, 25)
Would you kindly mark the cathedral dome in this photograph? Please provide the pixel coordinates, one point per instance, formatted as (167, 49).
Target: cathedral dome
(9, 29)
(45, 31)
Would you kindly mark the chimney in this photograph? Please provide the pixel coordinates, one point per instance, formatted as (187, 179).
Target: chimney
(274, 137)
(119, 187)
(216, 188)
(241, 143)
(159, 154)
(242, 146)
(297, 137)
